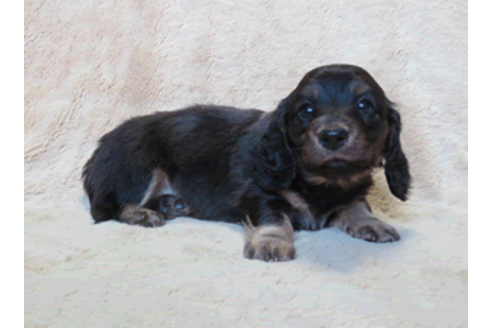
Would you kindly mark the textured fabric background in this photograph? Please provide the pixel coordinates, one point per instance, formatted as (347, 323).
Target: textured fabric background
(89, 65)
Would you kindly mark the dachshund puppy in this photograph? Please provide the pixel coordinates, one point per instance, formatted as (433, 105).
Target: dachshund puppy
(305, 166)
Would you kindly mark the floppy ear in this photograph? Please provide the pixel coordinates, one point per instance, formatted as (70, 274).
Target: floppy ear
(396, 165)
(273, 164)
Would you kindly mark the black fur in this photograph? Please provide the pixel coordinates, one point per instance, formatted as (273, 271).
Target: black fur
(273, 163)
(228, 164)
(396, 167)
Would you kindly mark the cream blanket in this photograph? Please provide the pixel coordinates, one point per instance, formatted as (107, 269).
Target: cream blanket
(89, 65)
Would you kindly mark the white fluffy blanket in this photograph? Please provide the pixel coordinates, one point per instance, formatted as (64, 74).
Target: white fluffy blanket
(89, 65)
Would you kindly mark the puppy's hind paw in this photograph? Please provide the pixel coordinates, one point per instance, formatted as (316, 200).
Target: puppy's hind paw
(136, 215)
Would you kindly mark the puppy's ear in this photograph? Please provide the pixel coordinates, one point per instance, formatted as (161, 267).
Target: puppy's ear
(396, 165)
(273, 164)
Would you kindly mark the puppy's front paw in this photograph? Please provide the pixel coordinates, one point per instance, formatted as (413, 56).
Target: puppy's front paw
(270, 250)
(136, 215)
(373, 230)
(270, 243)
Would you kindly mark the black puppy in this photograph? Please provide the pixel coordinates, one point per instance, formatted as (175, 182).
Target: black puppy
(306, 165)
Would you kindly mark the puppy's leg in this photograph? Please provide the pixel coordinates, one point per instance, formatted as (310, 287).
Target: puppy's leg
(143, 214)
(270, 242)
(159, 185)
(358, 221)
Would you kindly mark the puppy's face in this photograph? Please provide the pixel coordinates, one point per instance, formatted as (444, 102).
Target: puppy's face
(333, 128)
(336, 121)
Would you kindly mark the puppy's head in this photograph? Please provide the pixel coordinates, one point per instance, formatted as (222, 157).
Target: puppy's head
(336, 125)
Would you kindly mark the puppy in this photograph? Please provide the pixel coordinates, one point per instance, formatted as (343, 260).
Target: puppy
(305, 166)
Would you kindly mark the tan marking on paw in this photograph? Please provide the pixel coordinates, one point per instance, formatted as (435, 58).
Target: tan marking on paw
(373, 230)
(357, 220)
(136, 215)
(270, 243)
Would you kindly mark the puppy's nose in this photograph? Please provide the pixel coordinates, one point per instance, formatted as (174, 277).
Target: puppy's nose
(333, 139)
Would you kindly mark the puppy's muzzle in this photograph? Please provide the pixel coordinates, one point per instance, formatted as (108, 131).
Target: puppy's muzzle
(333, 139)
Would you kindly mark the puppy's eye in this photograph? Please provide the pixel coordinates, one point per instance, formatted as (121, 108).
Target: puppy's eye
(306, 112)
(365, 106)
